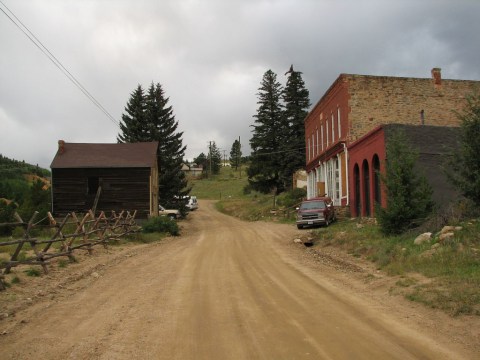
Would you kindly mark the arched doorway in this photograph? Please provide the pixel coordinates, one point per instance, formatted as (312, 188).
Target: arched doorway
(366, 186)
(356, 180)
(377, 193)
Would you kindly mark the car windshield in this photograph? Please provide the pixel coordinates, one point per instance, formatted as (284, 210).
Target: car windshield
(312, 205)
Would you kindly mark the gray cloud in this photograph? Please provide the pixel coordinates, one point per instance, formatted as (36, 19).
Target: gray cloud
(210, 57)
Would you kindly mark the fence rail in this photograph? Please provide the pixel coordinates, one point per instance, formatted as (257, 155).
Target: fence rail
(73, 232)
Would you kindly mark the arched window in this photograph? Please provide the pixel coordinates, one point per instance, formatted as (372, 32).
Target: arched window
(376, 179)
(357, 199)
(366, 186)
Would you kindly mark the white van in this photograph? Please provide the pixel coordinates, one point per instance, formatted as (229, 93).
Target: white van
(192, 203)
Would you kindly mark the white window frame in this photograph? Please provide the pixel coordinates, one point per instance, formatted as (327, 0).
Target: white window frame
(321, 135)
(339, 125)
(326, 123)
(333, 128)
(308, 149)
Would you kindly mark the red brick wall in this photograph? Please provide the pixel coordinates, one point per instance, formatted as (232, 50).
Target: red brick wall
(360, 153)
(334, 101)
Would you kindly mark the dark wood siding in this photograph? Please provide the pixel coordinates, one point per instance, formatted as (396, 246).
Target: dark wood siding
(122, 189)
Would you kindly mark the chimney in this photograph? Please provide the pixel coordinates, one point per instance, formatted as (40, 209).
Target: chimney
(437, 76)
(61, 146)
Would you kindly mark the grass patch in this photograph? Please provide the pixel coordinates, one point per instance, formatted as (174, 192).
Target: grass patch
(32, 272)
(161, 224)
(228, 184)
(454, 268)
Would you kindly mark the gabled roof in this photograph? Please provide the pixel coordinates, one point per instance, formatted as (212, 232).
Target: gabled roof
(78, 155)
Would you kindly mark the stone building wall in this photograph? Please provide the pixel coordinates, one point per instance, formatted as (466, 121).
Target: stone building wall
(377, 100)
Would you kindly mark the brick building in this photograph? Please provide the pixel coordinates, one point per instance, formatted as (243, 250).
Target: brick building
(367, 156)
(354, 105)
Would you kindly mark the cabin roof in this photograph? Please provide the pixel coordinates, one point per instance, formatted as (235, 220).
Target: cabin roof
(84, 155)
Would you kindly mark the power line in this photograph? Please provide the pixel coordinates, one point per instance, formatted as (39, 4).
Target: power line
(278, 152)
(24, 29)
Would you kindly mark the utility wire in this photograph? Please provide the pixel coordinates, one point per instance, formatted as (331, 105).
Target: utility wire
(56, 62)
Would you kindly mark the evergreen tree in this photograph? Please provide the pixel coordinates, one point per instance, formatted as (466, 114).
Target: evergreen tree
(202, 160)
(214, 159)
(37, 199)
(134, 123)
(236, 154)
(264, 173)
(171, 151)
(409, 195)
(149, 118)
(466, 160)
(6, 216)
(297, 102)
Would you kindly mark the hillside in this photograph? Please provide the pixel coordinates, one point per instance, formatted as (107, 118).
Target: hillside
(16, 176)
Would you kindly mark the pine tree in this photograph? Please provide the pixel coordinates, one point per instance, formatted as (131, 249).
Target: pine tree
(214, 159)
(201, 160)
(466, 160)
(133, 125)
(171, 151)
(235, 154)
(264, 173)
(297, 102)
(149, 118)
(409, 195)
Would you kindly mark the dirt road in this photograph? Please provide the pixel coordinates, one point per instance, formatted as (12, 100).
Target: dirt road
(226, 289)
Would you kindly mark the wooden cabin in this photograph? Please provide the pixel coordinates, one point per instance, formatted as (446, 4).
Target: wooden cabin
(105, 177)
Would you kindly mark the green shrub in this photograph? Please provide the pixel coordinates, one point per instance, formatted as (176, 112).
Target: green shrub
(292, 197)
(32, 272)
(161, 224)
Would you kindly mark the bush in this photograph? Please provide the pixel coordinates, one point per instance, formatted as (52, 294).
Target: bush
(292, 198)
(409, 195)
(161, 224)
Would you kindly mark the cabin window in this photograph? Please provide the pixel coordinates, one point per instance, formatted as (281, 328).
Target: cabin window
(93, 183)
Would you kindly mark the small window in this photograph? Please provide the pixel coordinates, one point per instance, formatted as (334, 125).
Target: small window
(93, 183)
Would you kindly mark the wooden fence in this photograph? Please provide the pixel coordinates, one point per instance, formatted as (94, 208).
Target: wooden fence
(72, 233)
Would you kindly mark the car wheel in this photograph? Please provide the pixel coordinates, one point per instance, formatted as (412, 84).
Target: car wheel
(299, 226)
(172, 217)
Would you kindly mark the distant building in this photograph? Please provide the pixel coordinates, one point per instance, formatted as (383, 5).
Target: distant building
(355, 105)
(300, 179)
(192, 170)
(120, 176)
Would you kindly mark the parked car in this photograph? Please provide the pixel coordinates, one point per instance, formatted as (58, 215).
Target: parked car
(171, 213)
(315, 211)
(192, 203)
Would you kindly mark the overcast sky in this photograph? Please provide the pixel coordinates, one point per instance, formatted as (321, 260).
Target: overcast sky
(209, 56)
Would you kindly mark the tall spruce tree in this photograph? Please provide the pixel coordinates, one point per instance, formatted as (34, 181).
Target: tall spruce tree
(149, 118)
(265, 173)
(171, 151)
(235, 154)
(214, 159)
(297, 102)
(133, 126)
